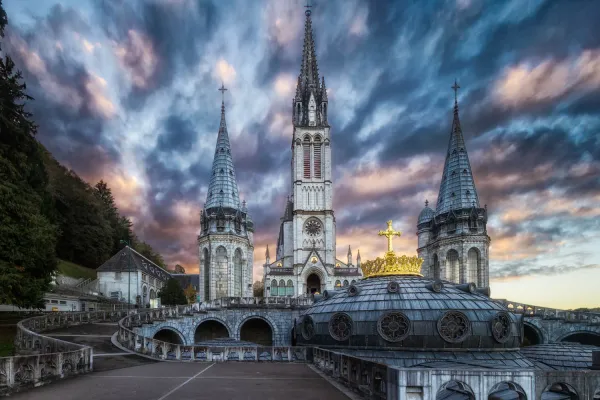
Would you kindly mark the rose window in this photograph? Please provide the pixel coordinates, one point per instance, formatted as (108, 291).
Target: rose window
(501, 327)
(393, 287)
(454, 327)
(340, 326)
(308, 328)
(393, 326)
(313, 227)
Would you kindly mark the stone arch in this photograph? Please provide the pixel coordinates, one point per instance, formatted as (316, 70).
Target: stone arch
(455, 390)
(453, 266)
(281, 285)
(582, 337)
(289, 288)
(206, 266)
(265, 318)
(214, 328)
(221, 271)
(596, 394)
(559, 391)
(238, 273)
(436, 267)
(532, 335)
(474, 266)
(274, 288)
(169, 334)
(507, 390)
(256, 329)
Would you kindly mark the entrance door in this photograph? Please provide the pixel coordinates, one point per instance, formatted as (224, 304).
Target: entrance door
(313, 284)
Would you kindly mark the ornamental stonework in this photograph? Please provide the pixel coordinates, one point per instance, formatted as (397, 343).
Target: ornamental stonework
(501, 327)
(340, 326)
(454, 326)
(393, 326)
(308, 328)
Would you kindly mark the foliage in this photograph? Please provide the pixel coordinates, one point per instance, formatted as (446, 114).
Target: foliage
(27, 234)
(172, 294)
(68, 268)
(190, 294)
(258, 289)
(147, 251)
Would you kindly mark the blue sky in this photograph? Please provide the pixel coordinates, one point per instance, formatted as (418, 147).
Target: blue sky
(126, 91)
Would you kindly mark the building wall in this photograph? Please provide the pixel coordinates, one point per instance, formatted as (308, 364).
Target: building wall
(110, 281)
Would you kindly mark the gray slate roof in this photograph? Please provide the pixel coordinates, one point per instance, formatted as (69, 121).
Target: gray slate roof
(457, 189)
(129, 259)
(561, 356)
(223, 189)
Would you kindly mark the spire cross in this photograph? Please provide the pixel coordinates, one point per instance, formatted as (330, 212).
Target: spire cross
(390, 233)
(308, 7)
(222, 90)
(455, 87)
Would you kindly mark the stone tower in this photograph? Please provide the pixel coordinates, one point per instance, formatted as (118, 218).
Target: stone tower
(225, 242)
(453, 240)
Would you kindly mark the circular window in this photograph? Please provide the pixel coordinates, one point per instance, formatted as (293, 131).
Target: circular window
(454, 326)
(340, 326)
(353, 290)
(393, 326)
(501, 327)
(313, 227)
(393, 287)
(308, 328)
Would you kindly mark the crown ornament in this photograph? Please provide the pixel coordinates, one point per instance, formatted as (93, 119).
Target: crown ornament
(391, 264)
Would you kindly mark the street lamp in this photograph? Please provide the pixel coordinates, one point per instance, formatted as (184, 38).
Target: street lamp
(126, 242)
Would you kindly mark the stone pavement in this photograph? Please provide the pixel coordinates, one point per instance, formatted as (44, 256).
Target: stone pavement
(183, 381)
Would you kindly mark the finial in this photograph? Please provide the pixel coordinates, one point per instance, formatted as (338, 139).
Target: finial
(222, 90)
(308, 7)
(455, 87)
(426, 203)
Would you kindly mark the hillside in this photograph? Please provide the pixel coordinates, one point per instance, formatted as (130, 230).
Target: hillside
(73, 270)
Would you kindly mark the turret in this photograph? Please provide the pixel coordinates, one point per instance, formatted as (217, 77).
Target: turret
(267, 256)
(349, 256)
(358, 258)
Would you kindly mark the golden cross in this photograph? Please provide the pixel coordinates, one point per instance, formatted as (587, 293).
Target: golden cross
(390, 233)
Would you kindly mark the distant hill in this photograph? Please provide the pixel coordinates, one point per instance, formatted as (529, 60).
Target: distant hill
(73, 270)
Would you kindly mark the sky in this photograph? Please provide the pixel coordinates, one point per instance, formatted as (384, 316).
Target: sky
(126, 91)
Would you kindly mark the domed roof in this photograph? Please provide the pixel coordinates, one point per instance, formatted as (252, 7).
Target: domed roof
(407, 313)
(426, 214)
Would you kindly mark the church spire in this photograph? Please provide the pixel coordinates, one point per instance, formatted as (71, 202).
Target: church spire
(457, 189)
(223, 189)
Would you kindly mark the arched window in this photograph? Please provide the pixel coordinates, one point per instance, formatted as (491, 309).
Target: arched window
(559, 391)
(206, 275)
(473, 266)
(290, 288)
(306, 151)
(353, 281)
(298, 115)
(455, 390)
(282, 287)
(221, 273)
(238, 271)
(452, 266)
(317, 157)
(507, 390)
(274, 288)
(338, 284)
(346, 283)
(436, 267)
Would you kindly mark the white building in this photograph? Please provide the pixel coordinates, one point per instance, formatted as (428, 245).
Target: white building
(306, 249)
(130, 277)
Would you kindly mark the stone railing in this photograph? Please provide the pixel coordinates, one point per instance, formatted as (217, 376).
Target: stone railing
(41, 359)
(551, 313)
(370, 379)
(346, 272)
(270, 302)
(160, 350)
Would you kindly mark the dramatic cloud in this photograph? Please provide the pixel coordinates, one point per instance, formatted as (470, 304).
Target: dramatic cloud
(126, 91)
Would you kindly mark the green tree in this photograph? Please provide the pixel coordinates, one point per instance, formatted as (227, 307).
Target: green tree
(190, 294)
(258, 289)
(172, 294)
(147, 251)
(27, 235)
(121, 226)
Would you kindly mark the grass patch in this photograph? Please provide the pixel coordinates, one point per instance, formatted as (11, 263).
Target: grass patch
(7, 336)
(75, 271)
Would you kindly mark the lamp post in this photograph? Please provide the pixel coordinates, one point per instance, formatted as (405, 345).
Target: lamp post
(126, 242)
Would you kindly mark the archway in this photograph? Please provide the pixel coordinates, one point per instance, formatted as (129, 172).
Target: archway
(507, 390)
(209, 330)
(455, 390)
(313, 284)
(531, 336)
(559, 391)
(589, 338)
(257, 330)
(168, 335)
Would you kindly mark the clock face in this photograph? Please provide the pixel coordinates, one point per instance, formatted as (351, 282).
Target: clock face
(313, 227)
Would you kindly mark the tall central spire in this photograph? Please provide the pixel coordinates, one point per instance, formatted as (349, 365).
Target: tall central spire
(309, 72)
(223, 189)
(457, 189)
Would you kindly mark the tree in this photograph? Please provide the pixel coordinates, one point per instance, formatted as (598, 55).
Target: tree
(172, 294)
(121, 226)
(190, 294)
(147, 251)
(258, 289)
(27, 234)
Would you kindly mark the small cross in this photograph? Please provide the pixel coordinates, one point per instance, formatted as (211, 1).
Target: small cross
(222, 90)
(308, 7)
(455, 87)
(390, 233)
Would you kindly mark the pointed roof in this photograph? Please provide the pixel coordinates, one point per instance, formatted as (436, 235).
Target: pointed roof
(349, 251)
(309, 71)
(127, 259)
(267, 256)
(288, 214)
(457, 189)
(223, 189)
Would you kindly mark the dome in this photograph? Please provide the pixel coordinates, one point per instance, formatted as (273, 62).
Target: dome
(426, 215)
(400, 312)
